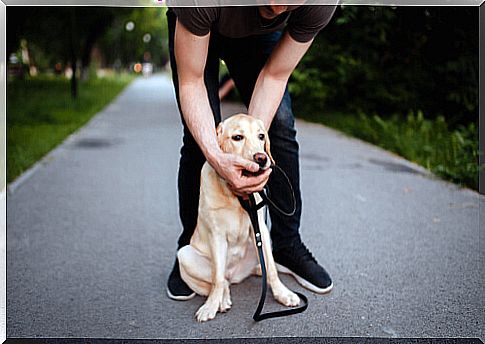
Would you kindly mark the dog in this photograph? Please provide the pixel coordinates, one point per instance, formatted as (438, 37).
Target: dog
(222, 250)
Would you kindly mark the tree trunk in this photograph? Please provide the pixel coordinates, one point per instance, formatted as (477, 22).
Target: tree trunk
(73, 54)
(74, 78)
(86, 54)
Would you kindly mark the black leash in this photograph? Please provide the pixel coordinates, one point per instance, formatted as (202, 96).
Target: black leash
(252, 209)
(269, 201)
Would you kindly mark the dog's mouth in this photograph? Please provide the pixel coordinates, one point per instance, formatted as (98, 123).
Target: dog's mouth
(263, 162)
(254, 174)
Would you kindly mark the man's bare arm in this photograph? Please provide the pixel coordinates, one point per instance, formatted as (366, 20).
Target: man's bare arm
(272, 80)
(191, 55)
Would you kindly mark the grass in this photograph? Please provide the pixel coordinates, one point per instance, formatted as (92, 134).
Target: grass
(41, 114)
(449, 153)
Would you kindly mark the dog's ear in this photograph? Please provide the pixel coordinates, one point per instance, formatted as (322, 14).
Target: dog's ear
(219, 132)
(267, 148)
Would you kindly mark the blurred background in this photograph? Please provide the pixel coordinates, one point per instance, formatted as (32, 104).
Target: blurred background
(404, 78)
(66, 63)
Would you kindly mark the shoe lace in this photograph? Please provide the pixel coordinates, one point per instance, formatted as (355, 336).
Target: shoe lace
(302, 253)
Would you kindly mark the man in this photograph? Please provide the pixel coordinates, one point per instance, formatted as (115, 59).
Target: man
(261, 46)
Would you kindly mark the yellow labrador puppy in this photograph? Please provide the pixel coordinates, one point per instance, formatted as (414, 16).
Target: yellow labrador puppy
(222, 249)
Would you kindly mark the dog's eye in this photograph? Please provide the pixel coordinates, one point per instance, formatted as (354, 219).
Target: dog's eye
(237, 137)
(261, 137)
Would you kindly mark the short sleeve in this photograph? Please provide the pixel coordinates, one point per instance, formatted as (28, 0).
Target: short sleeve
(198, 20)
(306, 22)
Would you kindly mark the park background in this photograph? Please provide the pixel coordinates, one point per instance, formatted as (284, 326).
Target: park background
(403, 78)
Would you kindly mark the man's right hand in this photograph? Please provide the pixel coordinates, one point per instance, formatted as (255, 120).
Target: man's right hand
(231, 167)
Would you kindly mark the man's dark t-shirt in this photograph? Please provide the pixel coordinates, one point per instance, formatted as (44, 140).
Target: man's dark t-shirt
(302, 22)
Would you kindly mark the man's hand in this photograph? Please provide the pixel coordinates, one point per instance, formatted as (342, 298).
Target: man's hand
(231, 167)
(191, 55)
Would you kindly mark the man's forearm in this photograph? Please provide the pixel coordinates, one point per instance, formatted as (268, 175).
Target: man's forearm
(266, 98)
(191, 55)
(198, 117)
(272, 80)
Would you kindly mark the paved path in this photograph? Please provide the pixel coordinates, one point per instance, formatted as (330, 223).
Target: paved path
(92, 233)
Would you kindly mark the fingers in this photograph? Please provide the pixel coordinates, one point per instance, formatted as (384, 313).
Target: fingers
(255, 183)
(249, 184)
(230, 167)
(245, 164)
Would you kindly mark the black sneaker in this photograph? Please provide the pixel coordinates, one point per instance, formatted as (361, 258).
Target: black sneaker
(177, 289)
(300, 263)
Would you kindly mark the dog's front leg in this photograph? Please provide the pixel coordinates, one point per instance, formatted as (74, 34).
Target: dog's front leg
(220, 285)
(280, 292)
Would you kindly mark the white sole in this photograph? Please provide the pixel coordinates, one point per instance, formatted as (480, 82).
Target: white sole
(303, 282)
(180, 298)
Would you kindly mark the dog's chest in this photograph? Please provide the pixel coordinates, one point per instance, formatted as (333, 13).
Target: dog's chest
(238, 237)
(238, 233)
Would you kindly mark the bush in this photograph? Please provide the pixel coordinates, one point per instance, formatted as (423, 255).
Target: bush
(398, 64)
(394, 60)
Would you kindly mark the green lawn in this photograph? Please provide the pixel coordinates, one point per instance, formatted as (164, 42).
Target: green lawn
(41, 114)
(449, 153)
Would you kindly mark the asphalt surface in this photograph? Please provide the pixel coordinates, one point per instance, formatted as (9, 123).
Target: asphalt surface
(92, 230)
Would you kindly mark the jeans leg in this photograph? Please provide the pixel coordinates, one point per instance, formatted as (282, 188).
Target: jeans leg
(285, 151)
(191, 157)
(245, 58)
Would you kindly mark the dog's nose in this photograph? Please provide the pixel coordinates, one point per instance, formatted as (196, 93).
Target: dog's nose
(261, 159)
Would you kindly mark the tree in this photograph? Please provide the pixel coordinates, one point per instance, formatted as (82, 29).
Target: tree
(395, 60)
(129, 46)
(63, 33)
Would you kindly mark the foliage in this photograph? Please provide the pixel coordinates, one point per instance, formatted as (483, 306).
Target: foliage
(394, 60)
(36, 126)
(62, 34)
(128, 46)
(390, 66)
(68, 36)
(58, 33)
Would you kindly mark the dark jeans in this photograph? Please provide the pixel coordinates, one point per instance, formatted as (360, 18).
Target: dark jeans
(244, 57)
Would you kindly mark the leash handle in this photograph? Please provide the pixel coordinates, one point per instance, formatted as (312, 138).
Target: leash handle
(258, 316)
(252, 210)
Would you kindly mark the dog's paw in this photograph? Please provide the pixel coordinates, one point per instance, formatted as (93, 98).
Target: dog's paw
(288, 298)
(225, 305)
(226, 302)
(206, 312)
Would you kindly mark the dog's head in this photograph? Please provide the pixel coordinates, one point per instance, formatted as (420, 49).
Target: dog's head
(245, 136)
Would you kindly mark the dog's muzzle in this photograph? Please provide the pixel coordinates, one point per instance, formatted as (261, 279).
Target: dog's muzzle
(262, 160)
